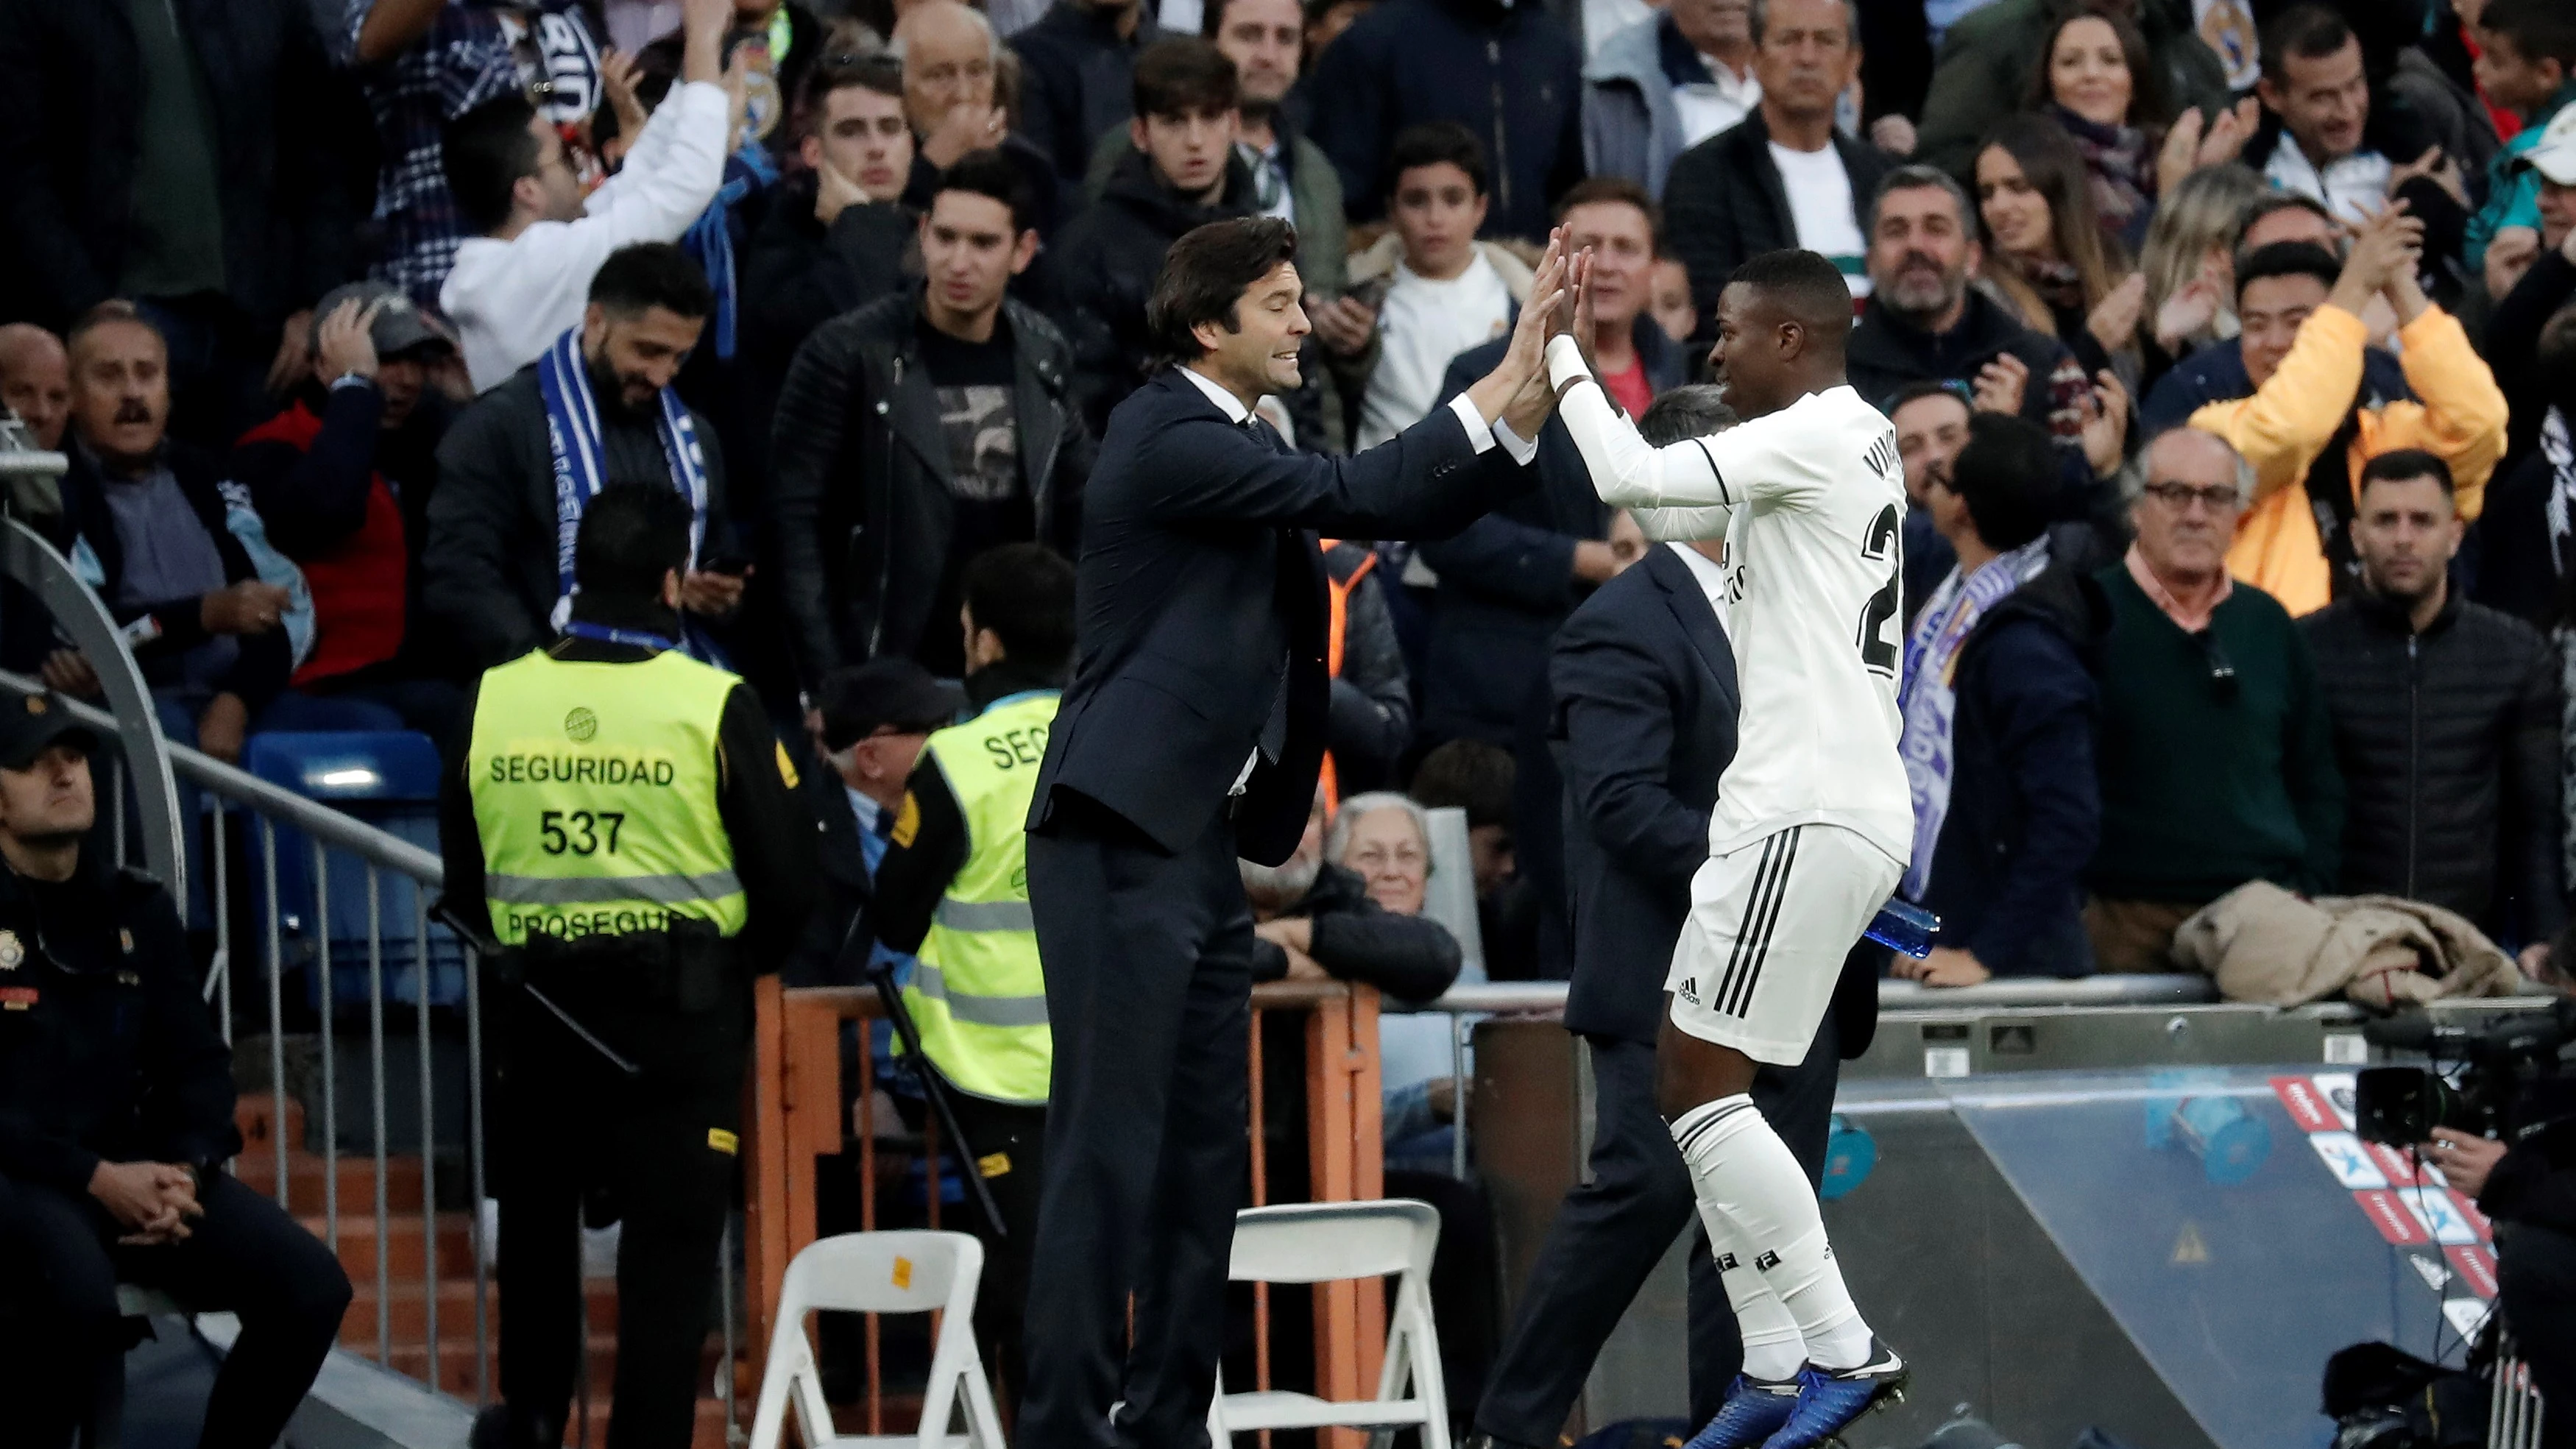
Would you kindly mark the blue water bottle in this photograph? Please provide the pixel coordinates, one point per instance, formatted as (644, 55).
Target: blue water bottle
(1904, 926)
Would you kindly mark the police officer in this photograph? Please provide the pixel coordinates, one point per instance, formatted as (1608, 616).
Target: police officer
(622, 823)
(116, 1116)
(954, 889)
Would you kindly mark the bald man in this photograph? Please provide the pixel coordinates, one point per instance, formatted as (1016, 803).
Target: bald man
(36, 381)
(949, 59)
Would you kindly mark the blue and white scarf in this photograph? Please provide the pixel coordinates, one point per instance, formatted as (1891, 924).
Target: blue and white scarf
(1927, 698)
(581, 467)
(710, 238)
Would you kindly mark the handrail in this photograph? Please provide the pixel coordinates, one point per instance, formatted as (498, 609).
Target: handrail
(331, 827)
(30, 559)
(2117, 990)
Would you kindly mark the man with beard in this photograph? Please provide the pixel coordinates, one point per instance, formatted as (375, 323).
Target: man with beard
(1924, 323)
(595, 410)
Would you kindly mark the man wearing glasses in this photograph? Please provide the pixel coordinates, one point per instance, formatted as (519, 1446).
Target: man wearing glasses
(2216, 754)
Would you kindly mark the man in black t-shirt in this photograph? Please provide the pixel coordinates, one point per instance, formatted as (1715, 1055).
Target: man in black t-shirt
(919, 431)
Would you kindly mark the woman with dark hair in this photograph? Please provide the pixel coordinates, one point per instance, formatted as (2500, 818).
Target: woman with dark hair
(2096, 79)
(2045, 251)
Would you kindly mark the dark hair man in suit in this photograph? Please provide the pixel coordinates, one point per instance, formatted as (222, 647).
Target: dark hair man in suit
(1192, 734)
(1643, 723)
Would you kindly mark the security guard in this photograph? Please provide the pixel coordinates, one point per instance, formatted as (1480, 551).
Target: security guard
(954, 889)
(622, 823)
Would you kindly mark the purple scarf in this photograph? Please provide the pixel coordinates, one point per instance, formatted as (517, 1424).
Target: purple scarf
(2122, 160)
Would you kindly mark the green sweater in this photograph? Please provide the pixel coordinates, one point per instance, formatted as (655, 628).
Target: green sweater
(2205, 787)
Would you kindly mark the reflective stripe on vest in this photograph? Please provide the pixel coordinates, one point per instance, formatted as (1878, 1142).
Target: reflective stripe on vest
(979, 995)
(594, 789)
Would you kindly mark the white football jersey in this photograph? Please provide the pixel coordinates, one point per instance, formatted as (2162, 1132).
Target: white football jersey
(1811, 502)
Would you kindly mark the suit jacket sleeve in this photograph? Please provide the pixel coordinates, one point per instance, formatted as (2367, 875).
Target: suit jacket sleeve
(1615, 704)
(1427, 479)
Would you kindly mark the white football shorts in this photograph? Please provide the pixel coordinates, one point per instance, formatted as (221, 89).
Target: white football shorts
(1770, 923)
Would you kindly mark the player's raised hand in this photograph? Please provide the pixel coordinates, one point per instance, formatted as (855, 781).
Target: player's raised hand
(1523, 371)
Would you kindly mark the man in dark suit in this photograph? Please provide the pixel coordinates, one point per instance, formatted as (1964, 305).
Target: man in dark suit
(1643, 724)
(1729, 198)
(1192, 734)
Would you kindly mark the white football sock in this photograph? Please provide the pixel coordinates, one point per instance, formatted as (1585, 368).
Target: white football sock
(1746, 1176)
(1773, 1347)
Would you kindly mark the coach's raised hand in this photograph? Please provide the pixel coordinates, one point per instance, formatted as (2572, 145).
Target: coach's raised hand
(1516, 391)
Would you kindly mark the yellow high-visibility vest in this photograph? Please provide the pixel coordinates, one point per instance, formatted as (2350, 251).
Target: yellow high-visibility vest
(594, 789)
(979, 995)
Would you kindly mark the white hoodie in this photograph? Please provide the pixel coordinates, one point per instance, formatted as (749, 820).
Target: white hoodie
(511, 299)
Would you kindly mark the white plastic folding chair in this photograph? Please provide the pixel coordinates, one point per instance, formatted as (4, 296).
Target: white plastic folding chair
(1327, 1242)
(894, 1272)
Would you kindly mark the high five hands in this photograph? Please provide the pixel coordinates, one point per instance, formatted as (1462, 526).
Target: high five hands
(1516, 392)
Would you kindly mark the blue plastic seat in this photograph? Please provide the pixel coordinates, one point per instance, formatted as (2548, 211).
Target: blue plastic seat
(389, 780)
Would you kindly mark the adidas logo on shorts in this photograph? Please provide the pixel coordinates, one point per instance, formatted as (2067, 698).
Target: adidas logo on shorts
(1689, 990)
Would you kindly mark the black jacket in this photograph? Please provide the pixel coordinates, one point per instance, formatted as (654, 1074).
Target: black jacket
(1886, 352)
(1507, 579)
(1642, 725)
(1077, 79)
(488, 569)
(799, 275)
(772, 833)
(1105, 266)
(1510, 73)
(314, 499)
(107, 1049)
(1410, 958)
(176, 626)
(2449, 742)
(1201, 603)
(1724, 202)
(859, 482)
(70, 110)
(2025, 803)
(1371, 720)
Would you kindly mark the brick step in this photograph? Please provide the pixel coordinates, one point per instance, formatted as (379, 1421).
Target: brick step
(405, 1243)
(409, 1303)
(306, 1173)
(263, 1122)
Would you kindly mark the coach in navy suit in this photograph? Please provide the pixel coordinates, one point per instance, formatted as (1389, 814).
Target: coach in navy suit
(1643, 725)
(1192, 733)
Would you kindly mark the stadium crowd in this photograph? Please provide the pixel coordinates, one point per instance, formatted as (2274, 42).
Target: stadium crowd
(312, 294)
(2230, 344)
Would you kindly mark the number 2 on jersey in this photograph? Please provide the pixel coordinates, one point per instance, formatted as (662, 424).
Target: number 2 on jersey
(1875, 635)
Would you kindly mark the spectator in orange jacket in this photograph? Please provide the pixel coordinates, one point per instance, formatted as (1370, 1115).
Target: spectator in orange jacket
(2304, 343)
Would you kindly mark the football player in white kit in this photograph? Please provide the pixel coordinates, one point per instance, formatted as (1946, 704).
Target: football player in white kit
(1813, 822)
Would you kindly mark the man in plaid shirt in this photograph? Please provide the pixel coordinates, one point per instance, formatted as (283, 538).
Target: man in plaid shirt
(425, 62)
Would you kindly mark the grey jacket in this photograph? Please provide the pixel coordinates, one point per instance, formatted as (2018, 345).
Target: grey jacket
(1630, 125)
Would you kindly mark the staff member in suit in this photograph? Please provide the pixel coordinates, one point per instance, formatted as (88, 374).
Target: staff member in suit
(1643, 724)
(1191, 734)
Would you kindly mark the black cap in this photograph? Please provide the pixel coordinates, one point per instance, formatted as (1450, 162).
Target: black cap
(857, 702)
(33, 723)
